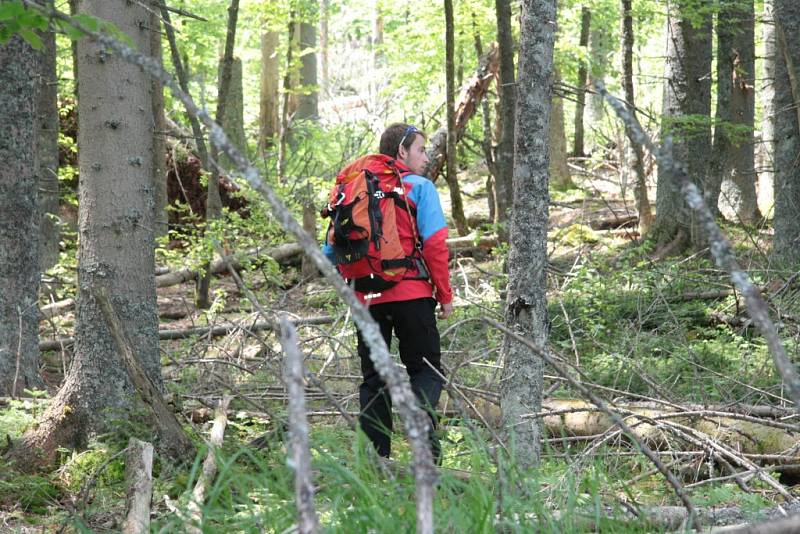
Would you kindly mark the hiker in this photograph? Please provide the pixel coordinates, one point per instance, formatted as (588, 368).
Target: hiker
(401, 288)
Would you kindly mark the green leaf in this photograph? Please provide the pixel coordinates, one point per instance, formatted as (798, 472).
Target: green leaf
(31, 38)
(87, 21)
(71, 31)
(11, 10)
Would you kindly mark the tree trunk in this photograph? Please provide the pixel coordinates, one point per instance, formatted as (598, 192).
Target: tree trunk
(600, 46)
(286, 101)
(213, 200)
(47, 152)
(325, 10)
(115, 140)
(578, 144)
(766, 89)
(73, 10)
(456, 205)
(488, 154)
(269, 117)
(233, 118)
(504, 154)
(733, 158)
(308, 107)
(560, 178)
(526, 312)
(159, 128)
(786, 246)
(20, 69)
(686, 109)
(637, 161)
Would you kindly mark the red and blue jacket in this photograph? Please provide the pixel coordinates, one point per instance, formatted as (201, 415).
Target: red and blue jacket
(421, 196)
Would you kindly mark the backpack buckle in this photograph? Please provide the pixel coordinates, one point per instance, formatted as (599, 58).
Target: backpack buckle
(379, 194)
(340, 199)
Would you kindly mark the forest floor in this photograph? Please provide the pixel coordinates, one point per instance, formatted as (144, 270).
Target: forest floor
(669, 332)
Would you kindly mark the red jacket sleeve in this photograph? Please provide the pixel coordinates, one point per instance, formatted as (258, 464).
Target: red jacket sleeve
(437, 255)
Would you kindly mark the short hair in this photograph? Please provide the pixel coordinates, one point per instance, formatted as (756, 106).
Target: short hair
(393, 135)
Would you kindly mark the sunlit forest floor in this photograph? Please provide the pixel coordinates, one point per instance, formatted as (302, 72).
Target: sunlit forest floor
(667, 332)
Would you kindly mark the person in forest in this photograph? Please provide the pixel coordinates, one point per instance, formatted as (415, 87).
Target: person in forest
(408, 307)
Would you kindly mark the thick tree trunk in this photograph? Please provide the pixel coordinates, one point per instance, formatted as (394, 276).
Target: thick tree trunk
(578, 148)
(526, 312)
(161, 224)
(20, 68)
(766, 91)
(786, 247)
(269, 116)
(686, 108)
(636, 150)
(115, 140)
(733, 159)
(456, 204)
(507, 91)
(213, 200)
(560, 178)
(47, 151)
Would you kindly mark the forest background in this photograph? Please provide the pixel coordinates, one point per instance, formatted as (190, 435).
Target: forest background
(667, 400)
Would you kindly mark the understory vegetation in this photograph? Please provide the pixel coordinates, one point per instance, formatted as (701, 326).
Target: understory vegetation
(668, 331)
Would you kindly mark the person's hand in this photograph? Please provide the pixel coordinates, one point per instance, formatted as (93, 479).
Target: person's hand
(446, 311)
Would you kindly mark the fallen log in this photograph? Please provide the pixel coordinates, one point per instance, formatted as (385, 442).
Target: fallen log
(281, 254)
(213, 331)
(471, 95)
(764, 441)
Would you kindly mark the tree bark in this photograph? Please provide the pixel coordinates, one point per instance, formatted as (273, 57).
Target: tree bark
(526, 310)
(733, 158)
(161, 220)
(578, 148)
(47, 151)
(600, 47)
(686, 109)
(637, 161)
(115, 140)
(456, 204)
(507, 91)
(213, 200)
(269, 117)
(786, 246)
(233, 118)
(488, 154)
(20, 70)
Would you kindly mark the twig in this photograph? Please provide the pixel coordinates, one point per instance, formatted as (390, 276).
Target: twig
(300, 457)
(139, 476)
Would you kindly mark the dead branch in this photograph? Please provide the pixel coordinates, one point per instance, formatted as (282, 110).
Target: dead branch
(139, 479)
(719, 245)
(219, 330)
(471, 94)
(300, 456)
(209, 468)
(173, 441)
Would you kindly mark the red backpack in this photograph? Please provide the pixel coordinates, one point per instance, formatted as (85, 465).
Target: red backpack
(363, 208)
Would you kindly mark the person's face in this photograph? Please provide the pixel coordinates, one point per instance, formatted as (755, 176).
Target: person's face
(414, 157)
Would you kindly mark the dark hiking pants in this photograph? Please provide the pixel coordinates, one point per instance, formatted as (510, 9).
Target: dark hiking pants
(414, 324)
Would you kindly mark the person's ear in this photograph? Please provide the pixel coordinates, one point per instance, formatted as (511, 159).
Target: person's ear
(402, 152)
